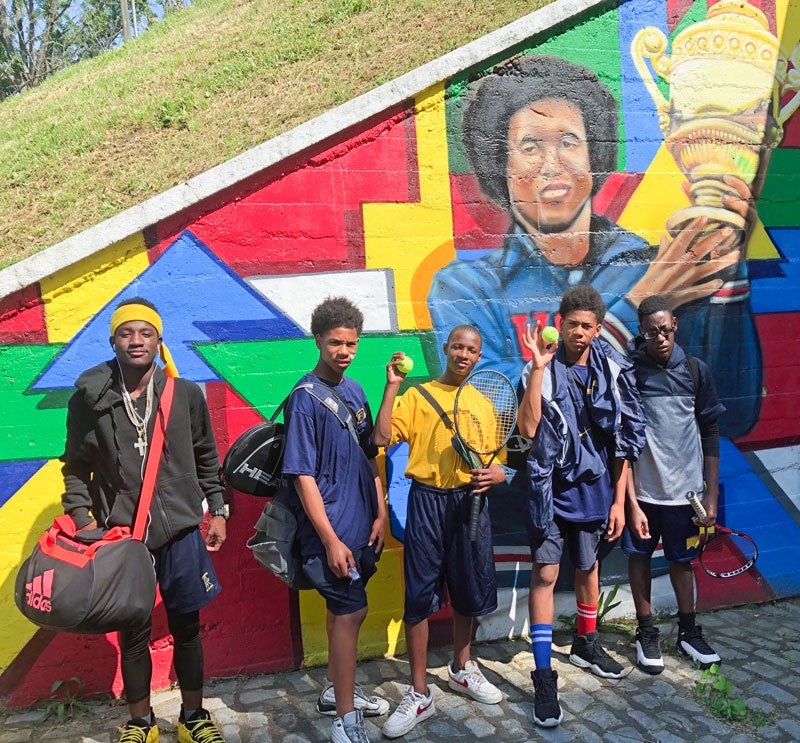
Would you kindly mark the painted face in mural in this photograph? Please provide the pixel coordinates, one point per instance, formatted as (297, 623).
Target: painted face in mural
(136, 344)
(549, 176)
(663, 325)
(578, 329)
(463, 351)
(337, 349)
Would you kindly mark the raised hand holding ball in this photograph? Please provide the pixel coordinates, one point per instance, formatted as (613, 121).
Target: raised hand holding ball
(549, 335)
(405, 365)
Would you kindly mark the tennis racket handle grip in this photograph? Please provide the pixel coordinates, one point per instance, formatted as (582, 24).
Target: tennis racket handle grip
(474, 513)
(695, 503)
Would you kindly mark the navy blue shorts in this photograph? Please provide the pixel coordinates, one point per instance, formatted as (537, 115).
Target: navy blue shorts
(342, 595)
(584, 542)
(673, 525)
(438, 550)
(185, 574)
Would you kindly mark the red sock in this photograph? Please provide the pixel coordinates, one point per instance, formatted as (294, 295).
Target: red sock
(587, 618)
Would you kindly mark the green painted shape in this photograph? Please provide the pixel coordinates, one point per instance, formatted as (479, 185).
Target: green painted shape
(592, 42)
(32, 427)
(263, 372)
(777, 205)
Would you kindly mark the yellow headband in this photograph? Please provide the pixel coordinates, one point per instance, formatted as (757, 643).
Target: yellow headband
(131, 312)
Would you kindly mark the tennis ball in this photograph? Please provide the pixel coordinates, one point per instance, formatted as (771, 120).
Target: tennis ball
(405, 365)
(549, 335)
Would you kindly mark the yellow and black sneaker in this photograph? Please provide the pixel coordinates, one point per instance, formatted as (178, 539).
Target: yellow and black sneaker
(199, 729)
(137, 732)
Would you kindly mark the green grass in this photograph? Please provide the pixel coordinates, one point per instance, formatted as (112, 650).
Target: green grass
(199, 88)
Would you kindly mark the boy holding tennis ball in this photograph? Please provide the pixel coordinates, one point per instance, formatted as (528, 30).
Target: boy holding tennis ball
(437, 545)
(581, 409)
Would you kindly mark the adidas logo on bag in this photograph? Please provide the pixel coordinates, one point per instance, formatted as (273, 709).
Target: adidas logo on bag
(39, 591)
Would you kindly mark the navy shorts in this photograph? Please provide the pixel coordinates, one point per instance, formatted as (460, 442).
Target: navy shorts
(438, 550)
(185, 574)
(584, 542)
(342, 595)
(673, 525)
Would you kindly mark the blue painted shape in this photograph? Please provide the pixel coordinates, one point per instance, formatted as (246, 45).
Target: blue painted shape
(750, 507)
(643, 136)
(200, 299)
(779, 293)
(13, 475)
(398, 486)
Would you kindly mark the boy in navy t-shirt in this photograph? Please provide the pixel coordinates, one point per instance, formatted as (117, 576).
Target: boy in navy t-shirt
(332, 470)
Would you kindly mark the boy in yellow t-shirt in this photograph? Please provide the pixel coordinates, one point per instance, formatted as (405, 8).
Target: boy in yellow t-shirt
(437, 545)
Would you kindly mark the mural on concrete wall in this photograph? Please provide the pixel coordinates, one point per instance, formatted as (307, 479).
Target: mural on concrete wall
(622, 150)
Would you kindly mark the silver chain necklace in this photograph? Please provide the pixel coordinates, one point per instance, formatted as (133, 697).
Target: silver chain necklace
(139, 421)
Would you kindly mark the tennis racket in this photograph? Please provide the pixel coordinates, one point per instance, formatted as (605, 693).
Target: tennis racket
(724, 553)
(485, 414)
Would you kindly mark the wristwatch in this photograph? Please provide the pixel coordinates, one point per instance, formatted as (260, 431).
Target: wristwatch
(224, 511)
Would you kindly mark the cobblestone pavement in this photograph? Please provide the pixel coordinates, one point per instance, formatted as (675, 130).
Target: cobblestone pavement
(756, 643)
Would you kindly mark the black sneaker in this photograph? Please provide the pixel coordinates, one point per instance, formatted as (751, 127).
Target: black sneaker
(199, 729)
(648, 652)
(546, 707)
(587, 652)
(692, 643)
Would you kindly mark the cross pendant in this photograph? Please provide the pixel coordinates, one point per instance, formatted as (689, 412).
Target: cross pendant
(141, 445)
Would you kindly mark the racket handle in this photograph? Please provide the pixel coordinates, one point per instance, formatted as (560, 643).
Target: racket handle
(695, 503)
(474, 512)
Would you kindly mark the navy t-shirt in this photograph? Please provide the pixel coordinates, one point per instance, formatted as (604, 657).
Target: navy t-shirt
(317, 444)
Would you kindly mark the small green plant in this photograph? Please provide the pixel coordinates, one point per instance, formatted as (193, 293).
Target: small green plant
(605, 605)
(715, 691)
(66, 701)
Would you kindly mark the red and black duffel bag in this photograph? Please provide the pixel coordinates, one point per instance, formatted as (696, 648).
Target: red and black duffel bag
(95, 581)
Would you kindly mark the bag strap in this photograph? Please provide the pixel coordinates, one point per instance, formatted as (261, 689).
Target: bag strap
(153, 461)
(319, 392)
(694, 370)
(434, 404)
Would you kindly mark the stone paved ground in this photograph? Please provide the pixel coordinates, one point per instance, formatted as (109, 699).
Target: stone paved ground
(757, 644)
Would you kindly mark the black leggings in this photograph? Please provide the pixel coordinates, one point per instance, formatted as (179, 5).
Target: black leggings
(137, 667)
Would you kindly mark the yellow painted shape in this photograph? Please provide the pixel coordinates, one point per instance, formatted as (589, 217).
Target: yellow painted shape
(787, 17)
(23, 518)
(656, 199)
(75, 294)
(380, 632)
(405, 236)
(760, 246)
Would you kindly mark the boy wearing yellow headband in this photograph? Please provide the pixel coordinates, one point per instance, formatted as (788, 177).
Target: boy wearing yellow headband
(110, 424)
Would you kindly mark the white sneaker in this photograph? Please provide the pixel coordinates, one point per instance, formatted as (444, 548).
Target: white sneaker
(369, 706)
(472, 682)
(413, 708)
(349, 729)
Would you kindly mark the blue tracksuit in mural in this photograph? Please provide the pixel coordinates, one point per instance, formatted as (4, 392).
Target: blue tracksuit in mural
(501, 291)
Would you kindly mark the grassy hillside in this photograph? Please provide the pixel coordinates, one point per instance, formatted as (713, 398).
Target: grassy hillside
(203, 86)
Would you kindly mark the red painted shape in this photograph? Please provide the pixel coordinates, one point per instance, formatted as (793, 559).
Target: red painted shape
(22, 318)
(613, 197)
(676, 9)
(778, 421)
(231, 415)
(791, 130)
(309, 218)
(478, 223)
(715, 592)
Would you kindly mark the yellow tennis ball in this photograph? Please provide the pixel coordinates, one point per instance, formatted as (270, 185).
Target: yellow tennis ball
(549, 335)
(405, 365)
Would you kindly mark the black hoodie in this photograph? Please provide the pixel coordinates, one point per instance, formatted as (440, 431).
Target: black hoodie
(102, 466)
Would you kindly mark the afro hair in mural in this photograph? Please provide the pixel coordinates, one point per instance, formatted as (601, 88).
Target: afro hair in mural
(336, 312)
(513, 87)
(583, 298)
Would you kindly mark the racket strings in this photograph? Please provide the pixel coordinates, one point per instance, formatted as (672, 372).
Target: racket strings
(728, 553)
(486, 411)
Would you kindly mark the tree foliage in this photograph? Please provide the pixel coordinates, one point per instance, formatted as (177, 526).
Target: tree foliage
(40, 37)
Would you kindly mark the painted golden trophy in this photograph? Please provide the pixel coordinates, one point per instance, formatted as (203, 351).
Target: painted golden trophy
(727, 76)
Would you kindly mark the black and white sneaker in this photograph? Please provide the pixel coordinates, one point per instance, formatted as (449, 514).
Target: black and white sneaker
(692, 643)
(546, 706)
(369, 706)
(587, 652)
(648, 652)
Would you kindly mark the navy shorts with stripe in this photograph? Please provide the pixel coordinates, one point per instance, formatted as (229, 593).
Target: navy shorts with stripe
(673, 525)
(186, 577)
(342, 595)
(438, 552)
